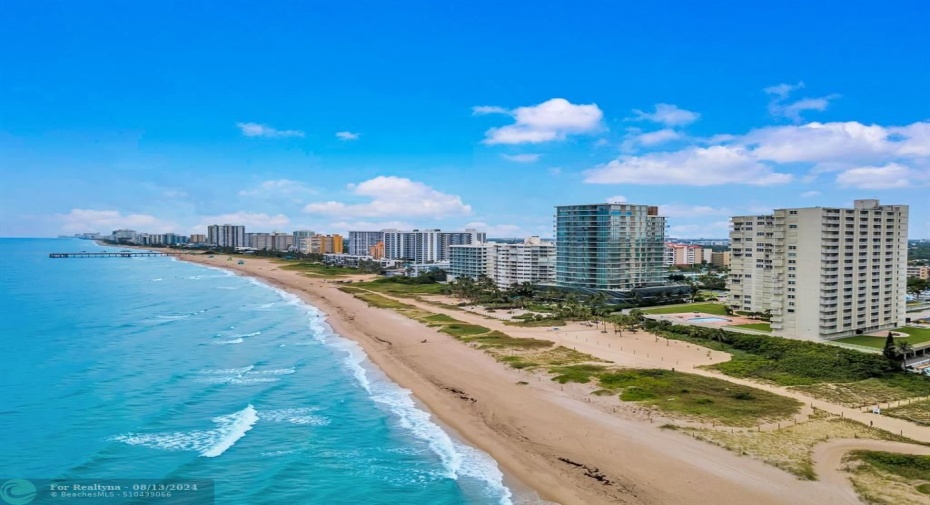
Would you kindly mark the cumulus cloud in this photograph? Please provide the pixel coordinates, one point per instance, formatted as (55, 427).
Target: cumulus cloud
(666, 114)
(105, 221)
(262, 130)
(551, 120)
(394, 196)
(521, 158)
(251, 220)
(637, 138)
(345, 226)
(348, 135)
(278, 188)
(767, 155)
(889, 176)
(694, 166)
(616, 199)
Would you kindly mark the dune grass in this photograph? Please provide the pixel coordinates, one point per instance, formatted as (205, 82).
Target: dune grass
(317, 269)
(917, 412)
(886, 478)
(869, 391)
(402, 290)
(790, 447)
(699, 397)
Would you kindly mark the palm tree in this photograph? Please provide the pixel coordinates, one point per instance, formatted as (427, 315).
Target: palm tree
(904, 349)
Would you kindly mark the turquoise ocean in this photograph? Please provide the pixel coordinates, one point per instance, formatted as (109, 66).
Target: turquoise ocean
(159, 369)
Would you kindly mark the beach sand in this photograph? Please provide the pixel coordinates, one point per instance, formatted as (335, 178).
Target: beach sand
(550, 438)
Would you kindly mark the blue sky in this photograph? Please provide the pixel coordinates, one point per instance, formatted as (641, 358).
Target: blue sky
(162, 116)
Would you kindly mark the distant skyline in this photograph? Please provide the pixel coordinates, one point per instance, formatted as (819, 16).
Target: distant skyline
(331, 117)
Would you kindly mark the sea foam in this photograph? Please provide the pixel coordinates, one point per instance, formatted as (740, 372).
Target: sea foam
(209, 443)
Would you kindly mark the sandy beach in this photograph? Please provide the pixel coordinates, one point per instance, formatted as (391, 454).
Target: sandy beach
(569, 450)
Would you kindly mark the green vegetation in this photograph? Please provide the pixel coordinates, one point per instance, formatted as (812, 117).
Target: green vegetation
(886, 478)
(869, 391)
(917, 336)
(699, 397)
(790, 447)
(536, 323)
(908, 466)
(917, 412)
(317, 269)
(582, 373)
(382, 302)
(801, 363)
(459, 330)
(400, 289)
(766, 327)
(718, 309)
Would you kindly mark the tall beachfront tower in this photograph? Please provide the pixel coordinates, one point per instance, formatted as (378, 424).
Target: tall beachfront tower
(609, 246)
(226, 235)
(822, 272)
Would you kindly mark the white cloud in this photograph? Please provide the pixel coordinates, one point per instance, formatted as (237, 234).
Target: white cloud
(694, 166)
(666, 114)
(105, 221)
(521, 158)
(261, 130)
(251, 220)
(635, 138)
(345, 226)
(616, 199)
(553, 119)
(838, 142)
(766, 155)
(779, 107)
(278, 188)
(482, 110)
(554, 171)
(348, 135)
(781, 91)
(679, 210)
(889, 176)
(810, 194)
(394, 196)
(497, 231)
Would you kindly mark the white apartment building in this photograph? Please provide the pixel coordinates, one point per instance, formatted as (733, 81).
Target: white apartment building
(920, 272)
(822, 272)
(299, 242)
(531, 261)
(360, 242)
(507, 264)
(424, 246)
(472, 260)
(226, 235)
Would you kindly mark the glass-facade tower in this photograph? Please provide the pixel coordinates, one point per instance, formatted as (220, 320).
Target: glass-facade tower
(609, 246)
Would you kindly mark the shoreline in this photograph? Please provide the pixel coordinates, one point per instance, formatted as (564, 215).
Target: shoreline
(536, 433)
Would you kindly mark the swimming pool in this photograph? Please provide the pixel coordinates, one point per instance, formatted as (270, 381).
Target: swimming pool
(708, 320)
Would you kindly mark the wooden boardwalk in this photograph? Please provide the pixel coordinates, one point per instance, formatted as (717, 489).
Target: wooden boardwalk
(121, 254)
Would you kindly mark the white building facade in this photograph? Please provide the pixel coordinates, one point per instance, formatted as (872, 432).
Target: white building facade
(531, 261)
(360, 242)
(822, 272)
(226, 235)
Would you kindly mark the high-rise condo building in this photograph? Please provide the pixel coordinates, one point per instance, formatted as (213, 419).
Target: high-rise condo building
(326, 244)
(822, 272)
(299, 242)
(611, 246)
(425, 246)
(531, 261)
(360, 242)
(226, 235)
